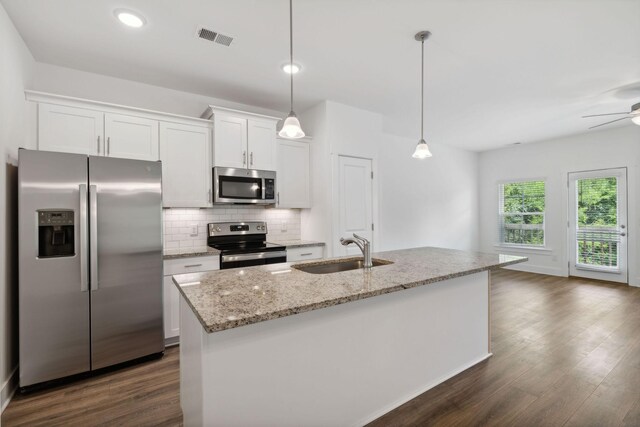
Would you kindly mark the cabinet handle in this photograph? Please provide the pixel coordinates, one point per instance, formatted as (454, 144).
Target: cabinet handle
(209, 196)
(307, 254)
(278, 198)
(251, 158)
(244, 158)
(193, 265)
(98, 144)
(108, 145)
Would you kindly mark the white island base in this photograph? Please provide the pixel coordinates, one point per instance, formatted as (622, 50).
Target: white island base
(344, 365)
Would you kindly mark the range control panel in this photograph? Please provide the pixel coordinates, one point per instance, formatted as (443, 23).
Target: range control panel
(55, 217)
(235, 228)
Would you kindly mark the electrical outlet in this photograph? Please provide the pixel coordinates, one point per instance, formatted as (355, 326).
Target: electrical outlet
(283, 227)
(194, 230)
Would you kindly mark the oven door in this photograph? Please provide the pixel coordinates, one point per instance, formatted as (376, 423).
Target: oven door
(250, 259)
(243, 186)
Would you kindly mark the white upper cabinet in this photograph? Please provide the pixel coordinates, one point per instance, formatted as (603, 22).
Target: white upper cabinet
(131, 137)
(261, 144)
(242, 140)
(230, 141)
(70, 129)
(186, 165)
(293, 185)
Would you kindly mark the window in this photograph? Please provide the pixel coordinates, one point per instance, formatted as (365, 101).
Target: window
(522, 208)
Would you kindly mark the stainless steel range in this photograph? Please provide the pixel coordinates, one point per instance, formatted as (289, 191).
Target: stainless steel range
(243, 244)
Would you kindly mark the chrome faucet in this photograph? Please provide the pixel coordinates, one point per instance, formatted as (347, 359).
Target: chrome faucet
(363, 244)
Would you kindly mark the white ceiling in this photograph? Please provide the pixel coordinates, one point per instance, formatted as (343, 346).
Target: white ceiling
(498, 72)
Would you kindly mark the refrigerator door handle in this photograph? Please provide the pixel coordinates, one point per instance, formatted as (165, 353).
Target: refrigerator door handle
(93, 235)
(84, 261)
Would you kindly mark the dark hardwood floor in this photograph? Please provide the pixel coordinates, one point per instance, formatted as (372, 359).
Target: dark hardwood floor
(140, 395)
(566, 352)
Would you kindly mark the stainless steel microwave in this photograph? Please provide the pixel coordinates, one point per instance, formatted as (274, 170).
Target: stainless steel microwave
(243, 186)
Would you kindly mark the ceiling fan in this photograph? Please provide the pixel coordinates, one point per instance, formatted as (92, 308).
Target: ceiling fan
(634, 115)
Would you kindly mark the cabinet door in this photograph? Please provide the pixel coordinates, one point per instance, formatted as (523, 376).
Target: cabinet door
(262, 144)
(230, 141)
(70, 130)
(130, 137)
(292, 178)
(171, 309)
(186, 166)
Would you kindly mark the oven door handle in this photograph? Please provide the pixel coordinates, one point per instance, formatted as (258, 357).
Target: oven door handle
(253, 256)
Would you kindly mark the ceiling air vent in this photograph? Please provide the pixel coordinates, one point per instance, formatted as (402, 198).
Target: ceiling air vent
(212, 36)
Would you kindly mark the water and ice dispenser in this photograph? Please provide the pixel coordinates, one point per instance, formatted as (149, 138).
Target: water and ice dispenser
(55, 233)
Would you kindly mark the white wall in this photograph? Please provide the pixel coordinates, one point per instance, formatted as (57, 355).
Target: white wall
(98, 87)
(552, 161)
(16, 73)
(430, 202)
(337, 129)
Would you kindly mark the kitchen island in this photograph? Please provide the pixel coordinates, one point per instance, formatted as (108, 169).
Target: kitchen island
(273, 345)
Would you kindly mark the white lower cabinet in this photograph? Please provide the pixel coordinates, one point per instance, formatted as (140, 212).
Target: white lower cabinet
(172, 294)
(305, 253)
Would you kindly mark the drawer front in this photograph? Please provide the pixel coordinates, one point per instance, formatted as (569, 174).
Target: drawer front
(191, 265)
(304, 253)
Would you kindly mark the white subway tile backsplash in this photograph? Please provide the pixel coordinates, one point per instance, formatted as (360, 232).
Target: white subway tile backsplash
(178, 223)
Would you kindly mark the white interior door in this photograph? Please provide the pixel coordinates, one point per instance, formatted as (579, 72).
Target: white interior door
(355, 202)
(598, 224)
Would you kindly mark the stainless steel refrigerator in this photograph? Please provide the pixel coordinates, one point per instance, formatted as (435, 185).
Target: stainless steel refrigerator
(90, 293)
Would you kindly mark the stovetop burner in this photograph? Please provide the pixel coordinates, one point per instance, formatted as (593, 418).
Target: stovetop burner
(240, 237)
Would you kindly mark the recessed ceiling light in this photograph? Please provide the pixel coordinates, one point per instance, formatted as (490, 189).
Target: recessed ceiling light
(291, 68)
(129, 18)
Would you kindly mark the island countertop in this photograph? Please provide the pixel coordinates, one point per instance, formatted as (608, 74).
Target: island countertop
(231, 298)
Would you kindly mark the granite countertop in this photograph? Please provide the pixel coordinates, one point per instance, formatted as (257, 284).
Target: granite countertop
(296, 243)
(189, 252)
(230, 298)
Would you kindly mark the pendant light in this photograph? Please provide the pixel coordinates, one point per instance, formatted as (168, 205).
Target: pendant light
(422, 149)
(291, 126)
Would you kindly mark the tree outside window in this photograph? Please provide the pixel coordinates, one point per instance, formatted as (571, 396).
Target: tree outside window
(522, 210)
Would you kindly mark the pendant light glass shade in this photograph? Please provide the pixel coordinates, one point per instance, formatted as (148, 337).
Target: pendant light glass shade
(291, 127)
(422, 150)
(636, 120)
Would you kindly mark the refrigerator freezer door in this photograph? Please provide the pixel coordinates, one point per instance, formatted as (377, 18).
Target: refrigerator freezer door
(53, 299)
(126, 301)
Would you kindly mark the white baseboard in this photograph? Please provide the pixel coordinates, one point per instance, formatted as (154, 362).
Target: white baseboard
(421, 390)
(8, 389)
(529, 268)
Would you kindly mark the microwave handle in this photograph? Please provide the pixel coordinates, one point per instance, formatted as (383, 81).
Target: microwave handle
(264, 189)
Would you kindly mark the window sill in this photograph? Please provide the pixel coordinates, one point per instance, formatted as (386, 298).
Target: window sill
(520, 248)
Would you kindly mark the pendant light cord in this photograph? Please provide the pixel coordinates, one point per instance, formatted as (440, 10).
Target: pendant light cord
(422, 96)
(291, 48)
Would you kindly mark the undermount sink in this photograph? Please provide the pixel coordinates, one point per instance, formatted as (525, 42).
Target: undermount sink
(337, 266)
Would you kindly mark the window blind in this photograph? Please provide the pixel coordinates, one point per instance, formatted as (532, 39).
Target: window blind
(597, 233)
(522, 210)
